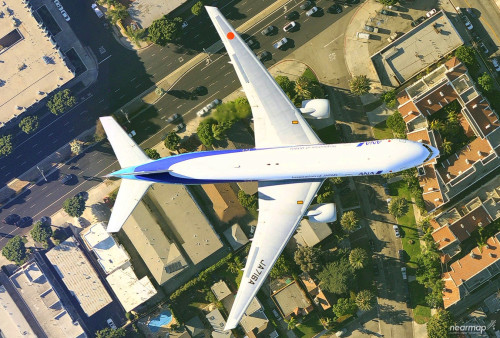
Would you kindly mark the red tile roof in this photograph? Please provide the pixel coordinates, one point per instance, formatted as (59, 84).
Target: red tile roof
(465, 226)
(481, 111)
(451, 63)
(433, 200)
(434, 101)
(403, 97)
(443, 237)
(429, 181)
(451, 294)
(456, 73)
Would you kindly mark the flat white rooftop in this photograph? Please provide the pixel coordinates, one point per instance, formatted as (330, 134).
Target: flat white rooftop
(109, 254)
(30, 65)
(80, 278)
(144, 12)
(13, 323)
(131, 292)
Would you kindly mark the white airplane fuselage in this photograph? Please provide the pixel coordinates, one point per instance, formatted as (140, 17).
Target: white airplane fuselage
(284, 163)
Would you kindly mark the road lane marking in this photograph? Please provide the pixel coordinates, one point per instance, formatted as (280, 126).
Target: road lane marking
(104, 60)
(333, 40)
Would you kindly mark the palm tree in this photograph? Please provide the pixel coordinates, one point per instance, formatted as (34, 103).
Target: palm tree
(364, 300)
(302, 87)
(235, 265)
(136, 35)
(452, 117)
(292, 323)
(119, 12)
(360, 85)
(447, 147)
(357, 258)
(437, 125)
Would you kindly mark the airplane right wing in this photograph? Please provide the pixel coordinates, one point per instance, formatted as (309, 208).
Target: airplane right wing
(277, 121)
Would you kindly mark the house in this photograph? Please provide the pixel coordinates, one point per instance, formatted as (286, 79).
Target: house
(195, 327)
(315, 291)
(218, 323)
(291, 301)
(311, 233)
(224, 201)
(236, 237)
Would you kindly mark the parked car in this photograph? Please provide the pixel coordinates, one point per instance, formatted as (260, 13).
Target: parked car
(362, 35)
(388, 13)
(65, 15)
(214, 104)
(418, 21)
(396, 231)
(372, 244)
(431, 13)
(290, 26)
(12, 219)
(467, 23)
(292, 16)
(393, 36)
(202, 111)
(111, 323)
(45, 220)
(66, 178)
(264, 56)
(24, 222)
(401, 254)
(369, 28)
(386, 188)
(268, 31)
(471, 12)
(173, 118)
(312, 11)
(251, 43)
(306, 5)
(179, 127)
(97, 11)
(496, 64)
(483, 48)
(394, 8)
(185, 24)
(403, 272)
(335, 9)
(281, 43)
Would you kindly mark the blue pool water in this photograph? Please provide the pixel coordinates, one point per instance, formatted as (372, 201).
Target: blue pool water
(162, 319)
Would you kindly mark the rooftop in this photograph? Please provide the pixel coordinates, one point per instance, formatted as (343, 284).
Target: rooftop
(443, 237)
(220, 290)
(144, 12)
(291, 299)
(235, 236)
(217, 322)
(31, 65)
(78, 275)
(109, 254)
(485, 118)
(44, 303)
(465, 226)
(224, 201)
(13, 323)
(131, 292)
(311, 233)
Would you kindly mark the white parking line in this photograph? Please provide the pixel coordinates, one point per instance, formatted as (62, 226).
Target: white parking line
(104, 60)
(165, 57)
(153, 54)
(83, 112)
(101, 101)
(138, 85)
(133, 79)
(332, 40)
(116, 91)
(121, 97)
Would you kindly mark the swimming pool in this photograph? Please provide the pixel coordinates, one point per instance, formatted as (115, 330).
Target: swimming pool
(159, 321)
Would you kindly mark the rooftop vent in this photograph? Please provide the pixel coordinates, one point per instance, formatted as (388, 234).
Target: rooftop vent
(448, 176)
(441, 93)
(479, 153)
(429, 101)
(480, 224)
(473, 255)
(462, 226)
(487, 126)
(436, 199)
(467, 161)
(474, 106)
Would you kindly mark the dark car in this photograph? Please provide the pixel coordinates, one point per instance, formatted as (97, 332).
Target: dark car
(268, 31)
(418, 21)
(386, 188)
(401, 255)
(471, 12)
(11, 219)
(352, 2)
(306, 5)
(292, 16)
(264, 56)
(173, 118)
(335, 9)
(251, 43)
(372, 244)
(45, 220)
(179, 127)
(200, 90)
(24, 222)
(66, 178)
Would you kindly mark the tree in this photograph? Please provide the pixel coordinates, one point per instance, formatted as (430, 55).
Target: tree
(172, 141)
(5, 145)
(119, 12)
(466, 55)
(76, 146)
(41, 232)
(359, 85)
(435, 298)
(364, 300)
(291, 323)
(429, 268)
(337, 180)
(247, 201)
(388, 2)
(398, 206)
(235, 266)
(439, 325)
(486, 82)
(197, 8)
(396, 123)
(135, 34)
(437, 125)
(336, 276)
(389, 98)
(219, 129)
(205, 131)
(281, 268)
(308, 89)
(358, 258)
(164, 30)
(15, 250)
(308, 258)
(29, 124)
(326, 197)
(110, 333)
(349, 221)
(152, 153)
(61, 101)
(59, 236)
(74, 206)
(287, 85)
(345, 306)
(99, 134)
(447, 147)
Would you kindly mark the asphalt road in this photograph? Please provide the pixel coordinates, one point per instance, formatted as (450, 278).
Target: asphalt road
(218, 76)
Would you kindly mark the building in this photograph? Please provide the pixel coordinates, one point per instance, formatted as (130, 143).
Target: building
(291, 301)
(44, 303)
(195, 327)
(32, 65)
(471, 271)
(13, 323)
(235, 236)
(315, 291)
(144, 12)
(218, 323)
(79, 276)
(224, 201)
(311, 233)
(417, 49)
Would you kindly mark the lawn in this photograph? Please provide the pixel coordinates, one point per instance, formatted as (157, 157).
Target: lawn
(349, 198)
(308, 73)
(309, 327)
(421, 312)
(381, 131)
(329, 135)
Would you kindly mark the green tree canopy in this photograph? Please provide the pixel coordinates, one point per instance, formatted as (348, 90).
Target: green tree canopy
(358, 258)
(466, 55)
(336, 276)
(29, 124)
(76, 146)
(74, 206)
(281, 268)
(119, 12)
(486, 82)
(439, 325)
(429, 268)
(197, 8)
(326, 197)
(349, 221)
(205, 131)
(172, 141)
(359, 85)
(396, 123)
(364, 300)
(41, 232)
(388, 2)
(15, 250)
(291, 323)
(308, 258)
(136, 35)
(164, 30)
(389, 98)
(61, 101)
(344, 306)
(435, 298)
(232, 111)
(248, 201)
(337, 180)
(307, 88)
(110, 333)
(59, 236)
(398, 206)
(5, 145)
(152, 153)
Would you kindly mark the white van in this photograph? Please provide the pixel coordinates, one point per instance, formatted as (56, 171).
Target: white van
(361, 35)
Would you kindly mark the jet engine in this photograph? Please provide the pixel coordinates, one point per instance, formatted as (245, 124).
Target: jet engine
(322, 213)
(316, 109)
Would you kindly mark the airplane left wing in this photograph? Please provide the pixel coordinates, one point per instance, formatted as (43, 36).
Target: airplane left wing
(281, 207)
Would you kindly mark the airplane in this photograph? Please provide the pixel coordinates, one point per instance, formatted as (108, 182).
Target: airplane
(289, 162)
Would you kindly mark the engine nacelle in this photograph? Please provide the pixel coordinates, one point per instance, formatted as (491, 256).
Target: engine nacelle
(322, 213)
(316, 109)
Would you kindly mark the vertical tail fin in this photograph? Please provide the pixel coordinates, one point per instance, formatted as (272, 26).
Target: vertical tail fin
(129, 154)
